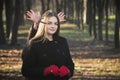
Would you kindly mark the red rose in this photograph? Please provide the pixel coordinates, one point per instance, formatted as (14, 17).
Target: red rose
(64, 71)
(52, 69)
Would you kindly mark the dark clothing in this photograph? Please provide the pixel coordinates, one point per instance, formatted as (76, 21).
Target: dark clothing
(31, 33)
(38, 55)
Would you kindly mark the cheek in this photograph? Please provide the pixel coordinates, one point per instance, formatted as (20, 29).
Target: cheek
(56, 27)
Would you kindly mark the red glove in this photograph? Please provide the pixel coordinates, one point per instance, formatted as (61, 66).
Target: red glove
(64, 71)
(52, 69)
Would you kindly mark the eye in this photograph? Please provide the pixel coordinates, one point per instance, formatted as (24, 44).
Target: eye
(49, 23)
(56, 23)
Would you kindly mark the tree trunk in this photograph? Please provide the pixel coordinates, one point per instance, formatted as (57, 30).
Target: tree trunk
(43, 6)
(117, 24)
(94, 19)
(9, 16)
(28, 4)
(48, 4)
(2, 34)
(53, 5)
(106, 26)
(90, 16)
(81, 14)
(100, 18)
(78, 13)
(84, 11)
(65, 6)
(59, 6)
(22, 11)
(16, 22)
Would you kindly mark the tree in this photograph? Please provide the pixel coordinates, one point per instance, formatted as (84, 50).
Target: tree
(84, 10)
(14, 15)
(106, 26)
(90, 15)
(9, 19)
(117, 24)
(2, 33)
(16, 22)
(94, 19)
(100, 4)
(77, 12)
(28, 4)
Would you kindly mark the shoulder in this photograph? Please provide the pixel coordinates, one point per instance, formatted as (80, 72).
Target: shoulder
(34, 44)
(61, 39)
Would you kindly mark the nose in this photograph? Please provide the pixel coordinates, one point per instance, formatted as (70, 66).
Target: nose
(53, 24)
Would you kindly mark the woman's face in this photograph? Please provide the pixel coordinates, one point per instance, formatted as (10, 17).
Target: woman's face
(51, 26)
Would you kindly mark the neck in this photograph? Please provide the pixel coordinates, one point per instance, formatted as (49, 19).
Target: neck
(50, 37)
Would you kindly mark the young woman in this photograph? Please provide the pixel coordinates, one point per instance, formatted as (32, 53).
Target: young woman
(46, 55)
(35, 18)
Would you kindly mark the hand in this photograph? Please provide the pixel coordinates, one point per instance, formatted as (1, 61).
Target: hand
(52, 69)
(35, 17)
(61, 16)
(64, 71)
(32, 16)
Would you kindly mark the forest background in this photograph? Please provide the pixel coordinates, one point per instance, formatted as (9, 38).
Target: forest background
(91, 27)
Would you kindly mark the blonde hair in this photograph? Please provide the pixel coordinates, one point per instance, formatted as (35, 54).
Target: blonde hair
(40, 34)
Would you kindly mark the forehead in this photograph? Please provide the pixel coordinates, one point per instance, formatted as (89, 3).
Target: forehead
(52, 19)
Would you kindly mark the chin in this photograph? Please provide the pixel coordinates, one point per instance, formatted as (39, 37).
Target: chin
(52, 33)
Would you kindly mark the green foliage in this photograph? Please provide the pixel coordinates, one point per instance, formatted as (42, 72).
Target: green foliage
(76, 34)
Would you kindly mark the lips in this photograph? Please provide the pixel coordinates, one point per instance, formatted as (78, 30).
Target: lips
(52, 29)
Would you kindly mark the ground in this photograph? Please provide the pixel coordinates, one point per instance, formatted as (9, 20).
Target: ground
(93, 59)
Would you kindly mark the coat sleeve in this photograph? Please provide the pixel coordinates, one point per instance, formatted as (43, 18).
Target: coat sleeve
(32, 33)
(29, 66)
(69, 61)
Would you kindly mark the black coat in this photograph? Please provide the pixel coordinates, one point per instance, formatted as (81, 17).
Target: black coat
(37, 56)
